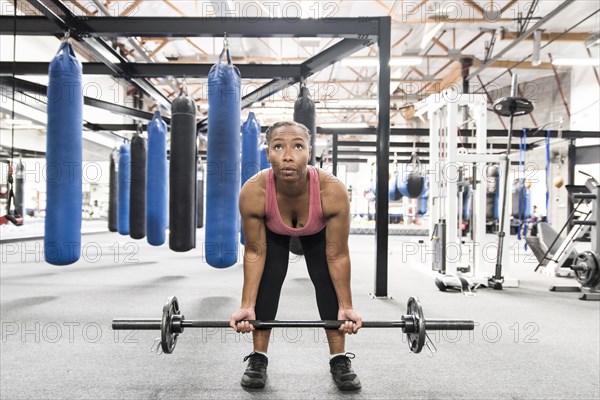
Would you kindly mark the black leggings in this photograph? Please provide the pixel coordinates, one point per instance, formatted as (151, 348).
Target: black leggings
(276, 265)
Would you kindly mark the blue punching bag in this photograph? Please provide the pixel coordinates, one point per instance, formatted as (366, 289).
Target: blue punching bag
(250, 151)
(113, 190)
(64, 148)
(467, 195)
(422, 202)
(157, 181)
(223, 164)
(123, 191)
(264, 161)
(393, 187)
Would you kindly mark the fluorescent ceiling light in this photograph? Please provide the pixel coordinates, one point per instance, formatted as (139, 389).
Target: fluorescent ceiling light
(9, 121)
(374, 62)
(591, 62)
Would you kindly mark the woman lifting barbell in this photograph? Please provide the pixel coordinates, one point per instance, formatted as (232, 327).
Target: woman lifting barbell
(295, 199)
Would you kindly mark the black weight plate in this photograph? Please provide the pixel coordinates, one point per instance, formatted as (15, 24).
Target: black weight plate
(516, 106)
(168, 338)
(590, 276)
(596, 258)
(416, 339)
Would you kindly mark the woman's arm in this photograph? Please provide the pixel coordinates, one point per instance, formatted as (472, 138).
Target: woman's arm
(336, 207)
(255, 247)
(255, 250)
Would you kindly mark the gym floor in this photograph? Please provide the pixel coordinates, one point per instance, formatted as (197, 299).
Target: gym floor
(57, 341)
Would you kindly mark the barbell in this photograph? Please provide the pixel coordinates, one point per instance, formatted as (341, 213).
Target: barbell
(172, 324)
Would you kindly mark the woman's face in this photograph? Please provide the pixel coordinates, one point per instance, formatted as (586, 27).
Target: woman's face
(289, 152)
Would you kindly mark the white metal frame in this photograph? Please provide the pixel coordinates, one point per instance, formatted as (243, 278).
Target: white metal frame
(480, 253)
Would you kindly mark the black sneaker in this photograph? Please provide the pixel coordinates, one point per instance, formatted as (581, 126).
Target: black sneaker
(343, 375)
(255, 375)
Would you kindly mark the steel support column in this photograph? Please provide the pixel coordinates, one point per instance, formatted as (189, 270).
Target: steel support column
(383, 157)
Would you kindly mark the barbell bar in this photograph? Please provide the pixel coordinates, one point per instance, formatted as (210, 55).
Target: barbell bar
(172, 323)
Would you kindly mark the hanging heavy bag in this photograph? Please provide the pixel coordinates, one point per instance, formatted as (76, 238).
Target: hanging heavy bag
(64, 140)
(182, 174)
(492, 192)
(393, 187)
(137, 198)
(422, 202)
(264, 160)
(223, 164)
(250, 151)
(124, 189)
(113, 190)
(467, 195)
(250, 148)
(412, 184)
(157, 182)
(304, 113)
(200, 195)
(19, 189)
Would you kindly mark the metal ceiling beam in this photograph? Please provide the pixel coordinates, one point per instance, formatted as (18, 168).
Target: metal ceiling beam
(356, 28)
(421, 145)
(464, 132)
(526, 34)
(309, 67)
(39, 90)
(65, 20)
(147, 70)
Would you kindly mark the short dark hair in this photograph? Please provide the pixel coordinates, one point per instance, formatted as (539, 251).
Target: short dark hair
(280, 124)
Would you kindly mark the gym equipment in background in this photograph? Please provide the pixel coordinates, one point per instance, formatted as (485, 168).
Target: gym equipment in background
(557, 254)
(157, 182)
(412, 183)
(19, 189)
(64, 153)
(413, 324)
(250, 152)
(305, 114)
(11, 216)
(223, 163)
(113, 191)
(452, 167)
(512, 107)
(124, 189)
(182, 173)
(137, 196)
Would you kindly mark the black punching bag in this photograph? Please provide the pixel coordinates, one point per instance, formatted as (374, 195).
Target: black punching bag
(113, 191)
(304, 113)
(137, 197)
(19, 190)
(182, 175)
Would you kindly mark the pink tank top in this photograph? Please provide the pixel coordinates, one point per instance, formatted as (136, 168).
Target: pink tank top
(316, 219)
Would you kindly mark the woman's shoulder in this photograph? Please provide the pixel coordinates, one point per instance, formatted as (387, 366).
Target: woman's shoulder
(332, 188)
(257, 181)
(252, 194)
(329, 181)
